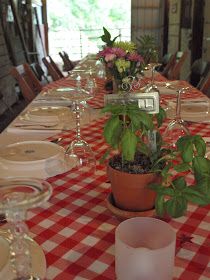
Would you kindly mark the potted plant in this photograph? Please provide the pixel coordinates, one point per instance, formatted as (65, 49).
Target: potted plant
(141, 156)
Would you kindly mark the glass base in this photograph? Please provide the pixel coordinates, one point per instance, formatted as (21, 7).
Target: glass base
(174, 131)
(81, 154)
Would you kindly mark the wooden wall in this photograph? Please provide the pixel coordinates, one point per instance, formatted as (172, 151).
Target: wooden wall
(147, 17)
(22, 40)
(7, 83)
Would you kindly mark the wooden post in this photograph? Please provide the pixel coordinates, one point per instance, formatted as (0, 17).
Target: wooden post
(44, 15)
(20, 31)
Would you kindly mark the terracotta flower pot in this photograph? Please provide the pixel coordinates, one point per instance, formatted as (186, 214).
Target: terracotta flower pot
(131, 191)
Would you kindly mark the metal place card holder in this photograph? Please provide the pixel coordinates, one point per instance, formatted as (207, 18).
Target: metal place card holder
(148, 102)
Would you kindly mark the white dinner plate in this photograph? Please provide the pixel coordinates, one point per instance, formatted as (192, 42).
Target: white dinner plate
(67, 93)
(38, 159)
(37, 258)
(46, 114)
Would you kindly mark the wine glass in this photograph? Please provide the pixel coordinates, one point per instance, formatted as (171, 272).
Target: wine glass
(91, 85)
(17, 195)
(177, 127)
(151, 87)
(78, 153)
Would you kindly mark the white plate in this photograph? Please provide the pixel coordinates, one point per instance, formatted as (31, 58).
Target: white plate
(46, 114)
(37, 258)
(66, 93)
(38, 159)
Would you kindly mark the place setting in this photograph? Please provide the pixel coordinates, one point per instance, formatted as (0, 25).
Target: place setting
(191, 110)
(43, 118)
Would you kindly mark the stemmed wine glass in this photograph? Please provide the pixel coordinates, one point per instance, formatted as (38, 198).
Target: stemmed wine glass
(177, 127)
(17, 195)
(151, 87)
(79, 153)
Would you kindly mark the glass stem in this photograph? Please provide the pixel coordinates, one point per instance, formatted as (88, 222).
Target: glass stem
(178, 105)
(19, 247)
(78, 124)
(153, 75)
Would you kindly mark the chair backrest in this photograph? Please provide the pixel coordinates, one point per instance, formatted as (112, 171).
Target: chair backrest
(169, 66)
(197, 71)
(52, 68)
(68, 65)
(39, 72)
(174, 73)
(27, 81)
(205, 88)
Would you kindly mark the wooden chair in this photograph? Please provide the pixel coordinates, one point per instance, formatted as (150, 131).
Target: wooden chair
(174, 72)
(52, 68)
(27, 81)
(39, 72)
(68, 65)
(197, 72)
(206, 86)
(5, 103)
(169, 66)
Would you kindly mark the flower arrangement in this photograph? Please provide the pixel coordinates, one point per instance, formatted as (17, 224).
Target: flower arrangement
(121, 60)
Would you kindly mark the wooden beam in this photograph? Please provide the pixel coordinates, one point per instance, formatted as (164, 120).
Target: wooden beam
(30, 32)
(44, 15)
(19, 28)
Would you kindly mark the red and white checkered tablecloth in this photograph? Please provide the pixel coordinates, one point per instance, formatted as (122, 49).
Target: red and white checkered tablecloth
(76, 230)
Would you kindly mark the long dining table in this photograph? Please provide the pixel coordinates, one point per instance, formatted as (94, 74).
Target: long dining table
(77, 231)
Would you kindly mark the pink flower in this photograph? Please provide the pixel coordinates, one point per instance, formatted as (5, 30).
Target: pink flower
(105, 51)
(119, 52)
(135, 57)
(110, 57)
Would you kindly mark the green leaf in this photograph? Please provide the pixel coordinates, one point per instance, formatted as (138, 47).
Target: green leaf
(167, 191)
(203, 186)
(182, 167)
(159, 205)
(201, 167)
(110, 128)
(143, 148)
(195, 196)
(179, 183)
(182, 141)
(200, 145)
(115, 109)
(129, 143)
(187, 153)
(176, 206)
(161, 116)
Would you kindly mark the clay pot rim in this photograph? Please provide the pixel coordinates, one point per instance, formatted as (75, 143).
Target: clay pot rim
(131, 174)
(125, 214)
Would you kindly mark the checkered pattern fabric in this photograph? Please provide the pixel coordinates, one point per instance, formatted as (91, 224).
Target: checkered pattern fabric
(76, 230)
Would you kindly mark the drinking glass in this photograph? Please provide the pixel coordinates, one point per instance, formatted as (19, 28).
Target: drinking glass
(151, 87)
(91, 86)
(17, 195)
(177, 127)
(79, 153)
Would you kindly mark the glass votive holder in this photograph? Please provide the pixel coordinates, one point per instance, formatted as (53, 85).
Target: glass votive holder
(144, 249)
